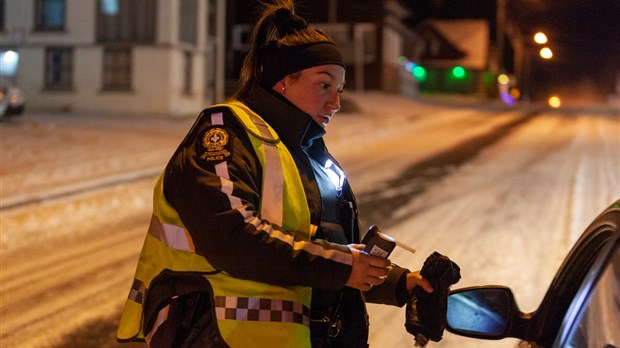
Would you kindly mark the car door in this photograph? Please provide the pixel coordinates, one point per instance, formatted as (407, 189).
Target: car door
(578, 274)
(580, 309)
(593, 317)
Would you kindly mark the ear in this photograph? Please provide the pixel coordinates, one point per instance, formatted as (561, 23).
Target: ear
(280, 86)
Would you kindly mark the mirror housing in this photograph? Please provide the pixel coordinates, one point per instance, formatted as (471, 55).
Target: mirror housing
(482, 312)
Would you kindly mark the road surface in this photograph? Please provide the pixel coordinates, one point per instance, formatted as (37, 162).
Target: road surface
(504, 193)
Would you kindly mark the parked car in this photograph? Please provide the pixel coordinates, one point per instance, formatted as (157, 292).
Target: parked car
(11, 99)
(580, 309)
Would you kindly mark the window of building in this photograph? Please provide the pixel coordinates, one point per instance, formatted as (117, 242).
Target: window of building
(59, 68)
(50, 15)
(117, 68)
(126, 21)
(188, 68)
(212, 17)
(188, 21)
(241, 37)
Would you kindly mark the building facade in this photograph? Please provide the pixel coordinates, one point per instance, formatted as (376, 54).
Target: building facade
(370, 34)
(157, 57)
(173, 57)
(456, 56)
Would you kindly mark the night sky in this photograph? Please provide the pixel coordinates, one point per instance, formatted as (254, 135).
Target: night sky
(584, 35)
(566, 20)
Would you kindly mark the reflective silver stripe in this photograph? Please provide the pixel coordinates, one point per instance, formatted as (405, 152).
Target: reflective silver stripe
(174, 237)
(263, 128)
(177, 238)
(221, 169)
(217, 119)
(273, 180)
(162, 315)
(268, 137)
(272, 208)
(261, 309)
(308, 247)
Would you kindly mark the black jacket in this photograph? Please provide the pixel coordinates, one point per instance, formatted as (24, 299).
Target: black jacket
(220, 234)
(334, 210)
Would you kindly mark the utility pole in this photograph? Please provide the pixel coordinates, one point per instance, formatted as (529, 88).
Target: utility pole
(500, 24)
(332, 11)
(220, 51)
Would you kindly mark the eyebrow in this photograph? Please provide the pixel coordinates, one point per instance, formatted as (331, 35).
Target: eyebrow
(330, 75)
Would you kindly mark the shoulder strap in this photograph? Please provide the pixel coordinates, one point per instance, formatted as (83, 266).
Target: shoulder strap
(272, 207)
(244, 114)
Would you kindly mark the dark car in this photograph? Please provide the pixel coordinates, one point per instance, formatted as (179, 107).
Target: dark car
(580, 309)
(11, 99)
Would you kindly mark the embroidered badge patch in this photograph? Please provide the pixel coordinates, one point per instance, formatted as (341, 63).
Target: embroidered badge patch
(214, 141)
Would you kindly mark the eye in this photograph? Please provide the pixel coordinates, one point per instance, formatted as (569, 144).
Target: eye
(325, 85)
(340, 90)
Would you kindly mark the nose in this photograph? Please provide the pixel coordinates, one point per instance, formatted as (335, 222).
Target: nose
(334, 103)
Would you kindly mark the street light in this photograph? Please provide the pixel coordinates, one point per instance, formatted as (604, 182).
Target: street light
(554, 102)
(546, 53)
(540, 38)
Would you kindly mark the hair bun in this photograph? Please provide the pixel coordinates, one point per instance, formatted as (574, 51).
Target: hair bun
(288, 23)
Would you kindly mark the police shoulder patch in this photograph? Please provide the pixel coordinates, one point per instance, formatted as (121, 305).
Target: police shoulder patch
(215, 143)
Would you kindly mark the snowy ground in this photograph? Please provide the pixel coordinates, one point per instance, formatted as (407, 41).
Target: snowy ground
(510, 215)
(75, 201)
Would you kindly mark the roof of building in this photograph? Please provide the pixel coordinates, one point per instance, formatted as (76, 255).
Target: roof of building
(462, 42)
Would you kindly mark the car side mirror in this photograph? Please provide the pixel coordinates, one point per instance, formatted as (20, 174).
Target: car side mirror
(481, 312)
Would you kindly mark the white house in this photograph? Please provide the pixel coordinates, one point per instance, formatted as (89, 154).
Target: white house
(157, 57)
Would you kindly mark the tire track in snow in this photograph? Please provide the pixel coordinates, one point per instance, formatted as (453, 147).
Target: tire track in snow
(380, 203)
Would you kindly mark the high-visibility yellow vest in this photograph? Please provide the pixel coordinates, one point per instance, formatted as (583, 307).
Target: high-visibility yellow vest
(244, 309)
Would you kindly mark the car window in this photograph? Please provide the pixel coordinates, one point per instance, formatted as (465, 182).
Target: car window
(593, 319)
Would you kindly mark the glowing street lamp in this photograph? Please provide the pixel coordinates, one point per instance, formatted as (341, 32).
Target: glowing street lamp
(540, 38)
(546, 53)
(554, 102)
(503, 79)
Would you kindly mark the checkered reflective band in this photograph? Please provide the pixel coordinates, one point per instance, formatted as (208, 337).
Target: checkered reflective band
(137, 291)
(261, 309)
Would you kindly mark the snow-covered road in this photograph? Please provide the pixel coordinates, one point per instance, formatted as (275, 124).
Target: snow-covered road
(76, 203)
(510, 215)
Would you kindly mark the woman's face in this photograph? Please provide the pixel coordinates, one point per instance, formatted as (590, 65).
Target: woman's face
(316, 91)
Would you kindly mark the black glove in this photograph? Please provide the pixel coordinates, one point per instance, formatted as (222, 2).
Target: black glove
(425, 315)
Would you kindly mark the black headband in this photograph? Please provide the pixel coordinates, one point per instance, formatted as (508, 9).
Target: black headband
(277, 62)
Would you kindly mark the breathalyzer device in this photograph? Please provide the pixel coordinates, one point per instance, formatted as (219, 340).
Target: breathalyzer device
(377, 243)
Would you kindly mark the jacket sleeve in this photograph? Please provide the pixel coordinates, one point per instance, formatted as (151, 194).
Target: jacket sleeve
(393, 291)
(216, 192)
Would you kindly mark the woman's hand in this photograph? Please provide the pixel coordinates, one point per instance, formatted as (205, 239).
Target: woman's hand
(367, 270)
(414, 279)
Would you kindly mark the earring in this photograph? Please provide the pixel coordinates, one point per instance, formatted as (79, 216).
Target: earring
(283, 90)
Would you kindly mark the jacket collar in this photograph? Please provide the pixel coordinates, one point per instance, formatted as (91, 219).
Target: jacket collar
(293, 126)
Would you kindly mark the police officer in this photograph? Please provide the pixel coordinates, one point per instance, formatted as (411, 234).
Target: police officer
(254, 235)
